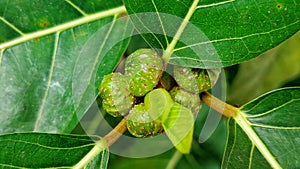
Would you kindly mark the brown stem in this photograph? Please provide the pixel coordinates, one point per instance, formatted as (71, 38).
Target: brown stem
(223, 108)
(116, 133)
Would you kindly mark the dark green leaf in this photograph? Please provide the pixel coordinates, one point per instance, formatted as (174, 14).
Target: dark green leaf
(220, 33)
(266, 132)
(18, 18)
(50, 77)
(39, 150)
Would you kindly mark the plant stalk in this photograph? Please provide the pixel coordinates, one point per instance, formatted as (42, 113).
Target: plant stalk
(168, 52)
(102, 144)
(223, 108)
(116, 133)
(174, 160)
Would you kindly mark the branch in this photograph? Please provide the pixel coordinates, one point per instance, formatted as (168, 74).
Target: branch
(223, 108)
(102, 144)
(116, 133)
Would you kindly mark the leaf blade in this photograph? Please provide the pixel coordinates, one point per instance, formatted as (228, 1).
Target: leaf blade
(271, 122)
(271, 70)
(219, 42)
(30, 149)
(37, 76)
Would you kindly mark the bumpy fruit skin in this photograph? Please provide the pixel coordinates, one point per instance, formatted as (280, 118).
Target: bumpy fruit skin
(186, 99)
(116, 98)
(203, 80)
(140, 124)
(186, 78)
(144, 66)
(194, 81)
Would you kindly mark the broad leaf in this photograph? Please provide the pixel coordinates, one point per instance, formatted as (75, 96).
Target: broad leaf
(266, 132)
(39, 150)
(219, 33)
(53, 58)
(267, 72)
(179, 127)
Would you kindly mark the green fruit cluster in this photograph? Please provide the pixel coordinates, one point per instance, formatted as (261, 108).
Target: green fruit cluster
(144, 71)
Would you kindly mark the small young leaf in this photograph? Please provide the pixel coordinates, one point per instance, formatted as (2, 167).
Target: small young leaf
(179, 127)
(159, 103)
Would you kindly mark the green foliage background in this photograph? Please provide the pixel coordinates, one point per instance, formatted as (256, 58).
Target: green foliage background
(34, 59)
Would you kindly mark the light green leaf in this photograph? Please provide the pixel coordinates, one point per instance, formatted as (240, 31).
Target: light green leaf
(219, 33)
(266, 72)
(52, 59)
(266, 132)
(159, 103)
(41, 150)
(179, 127)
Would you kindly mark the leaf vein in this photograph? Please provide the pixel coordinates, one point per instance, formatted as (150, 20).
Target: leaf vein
(234, 142)
(76, 7)
(1, 55)
(63, 27)
(251, 156)
(237, 38)
(42, 106)
(48, 147)
(161, 23)
(272, 110)
(241, 120)
(95, 63)
(215, 4)
(12, 26)
(275, 127)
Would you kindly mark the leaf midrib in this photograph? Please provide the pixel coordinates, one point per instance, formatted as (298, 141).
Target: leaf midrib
(42, 106)
(65, 26)
(170, 48)
(241, 120)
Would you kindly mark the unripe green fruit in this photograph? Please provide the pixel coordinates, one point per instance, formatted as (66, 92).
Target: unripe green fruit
(203, 79)
(144, 67)
(194, 81)
(116, 98)
(186, 99)
(140, 124)
(186, 78)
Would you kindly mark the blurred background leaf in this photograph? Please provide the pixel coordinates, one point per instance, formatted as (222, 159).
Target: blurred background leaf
(269, 71)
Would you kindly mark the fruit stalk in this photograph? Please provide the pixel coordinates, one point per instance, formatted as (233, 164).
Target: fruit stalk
(116, 133)
(223, 108)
